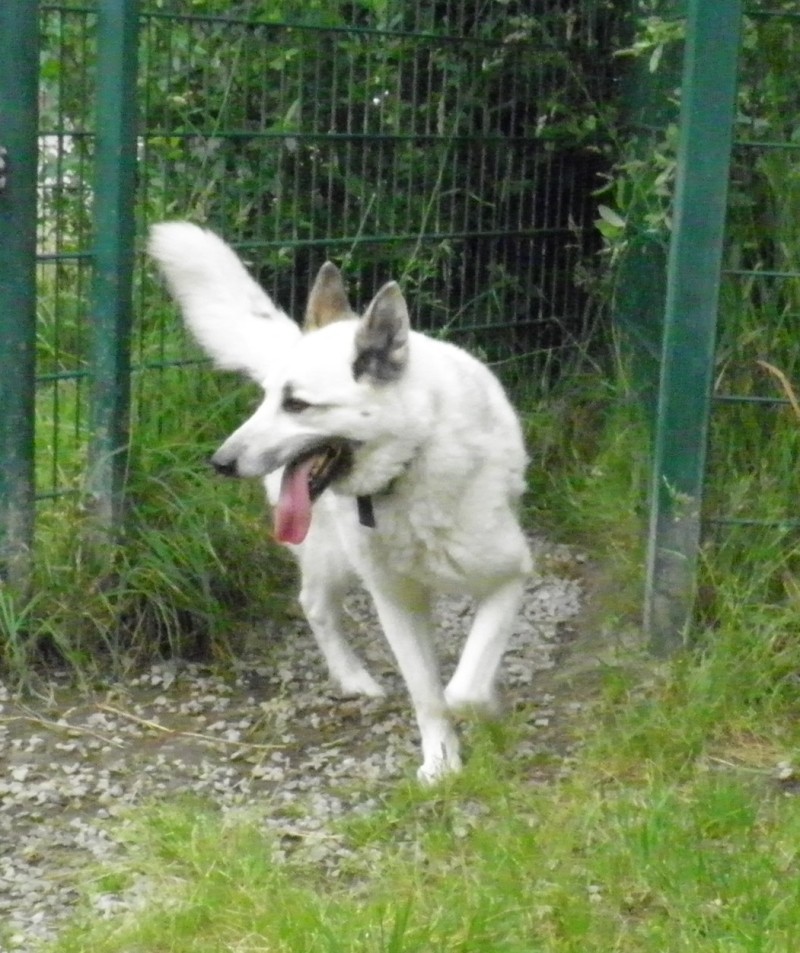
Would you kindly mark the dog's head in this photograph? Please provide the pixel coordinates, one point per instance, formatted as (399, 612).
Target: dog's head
(328, 405)
(331, 399)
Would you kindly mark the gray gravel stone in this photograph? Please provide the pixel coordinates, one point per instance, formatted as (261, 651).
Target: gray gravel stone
(269, 734)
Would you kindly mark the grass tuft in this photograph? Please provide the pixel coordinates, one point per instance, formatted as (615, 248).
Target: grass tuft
(194, 568)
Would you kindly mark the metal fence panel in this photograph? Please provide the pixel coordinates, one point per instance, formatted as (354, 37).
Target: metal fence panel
(18, 132)
(426, 143)
(758, 358)
(67, 84)
(450, 145)
(727, 438)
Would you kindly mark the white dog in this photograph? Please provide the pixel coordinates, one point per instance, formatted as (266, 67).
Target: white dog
(391, 458)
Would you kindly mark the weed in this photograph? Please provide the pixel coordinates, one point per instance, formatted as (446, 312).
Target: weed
(195, 561)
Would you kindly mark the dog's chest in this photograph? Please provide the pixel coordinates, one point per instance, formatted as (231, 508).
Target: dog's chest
(416, 540)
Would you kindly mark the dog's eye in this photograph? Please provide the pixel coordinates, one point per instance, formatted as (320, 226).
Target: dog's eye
(293, 405)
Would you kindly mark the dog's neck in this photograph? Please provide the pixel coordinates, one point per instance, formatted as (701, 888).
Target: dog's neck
(366, 511)
(377, 466)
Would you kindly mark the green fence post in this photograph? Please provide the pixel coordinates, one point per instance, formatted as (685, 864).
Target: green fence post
(19, 115)
(693, 281)
(114, 232)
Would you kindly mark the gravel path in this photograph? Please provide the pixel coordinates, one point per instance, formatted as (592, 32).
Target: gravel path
(269, 732)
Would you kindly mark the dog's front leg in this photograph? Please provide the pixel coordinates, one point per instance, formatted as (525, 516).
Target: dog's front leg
(326, 577)
(405, 614)
(322, 607)
(473, 683)
(322, 596)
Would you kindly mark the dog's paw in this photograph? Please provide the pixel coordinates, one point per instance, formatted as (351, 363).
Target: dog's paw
(436, 769)
(360, 683)
(484, 705)
(442, 760)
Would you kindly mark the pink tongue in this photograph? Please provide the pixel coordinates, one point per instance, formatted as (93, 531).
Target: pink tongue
(293, 510)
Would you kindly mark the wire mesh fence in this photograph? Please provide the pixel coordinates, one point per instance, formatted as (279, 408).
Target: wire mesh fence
(65, 241)
(453, 146)
(727, 418)
(757, 356)
(432, 143)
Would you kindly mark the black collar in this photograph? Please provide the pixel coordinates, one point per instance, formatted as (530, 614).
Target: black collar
(366, 511)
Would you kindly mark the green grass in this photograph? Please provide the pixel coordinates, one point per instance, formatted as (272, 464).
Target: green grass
(588, 443)
(195, 565)
(670, 834)
(661, 839)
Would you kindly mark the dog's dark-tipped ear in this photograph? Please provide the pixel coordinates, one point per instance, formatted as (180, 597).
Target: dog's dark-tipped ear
(327, 301)
(382, 337)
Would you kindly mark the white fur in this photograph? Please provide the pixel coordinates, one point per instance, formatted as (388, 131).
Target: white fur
(442, 437)
(216, 293)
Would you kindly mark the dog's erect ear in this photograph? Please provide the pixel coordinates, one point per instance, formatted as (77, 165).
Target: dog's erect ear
(382, 337)
(327, 301)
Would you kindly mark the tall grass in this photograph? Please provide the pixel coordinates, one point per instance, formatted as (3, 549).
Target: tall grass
(195, 564)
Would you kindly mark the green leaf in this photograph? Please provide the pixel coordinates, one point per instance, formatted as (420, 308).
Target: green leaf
(610, 216)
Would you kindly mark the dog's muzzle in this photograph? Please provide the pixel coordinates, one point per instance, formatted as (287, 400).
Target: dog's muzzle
(226, 468)
(328, 462)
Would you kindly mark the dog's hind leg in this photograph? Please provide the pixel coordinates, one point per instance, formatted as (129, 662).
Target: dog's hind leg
(406, 619)
(473, 683)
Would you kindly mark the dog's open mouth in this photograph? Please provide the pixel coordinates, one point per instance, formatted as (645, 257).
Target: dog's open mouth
(304, 478)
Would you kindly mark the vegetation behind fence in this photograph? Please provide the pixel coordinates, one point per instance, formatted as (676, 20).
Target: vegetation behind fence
(456, 146)
(453, 146)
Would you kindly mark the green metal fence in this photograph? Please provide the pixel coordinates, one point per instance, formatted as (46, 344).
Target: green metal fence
(690, 310)
(727, 420)
(453, 145)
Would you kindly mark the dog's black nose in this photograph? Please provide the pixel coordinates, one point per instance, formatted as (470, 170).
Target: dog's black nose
(224, 468)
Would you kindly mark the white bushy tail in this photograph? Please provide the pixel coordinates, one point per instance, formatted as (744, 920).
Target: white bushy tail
(232, 318)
